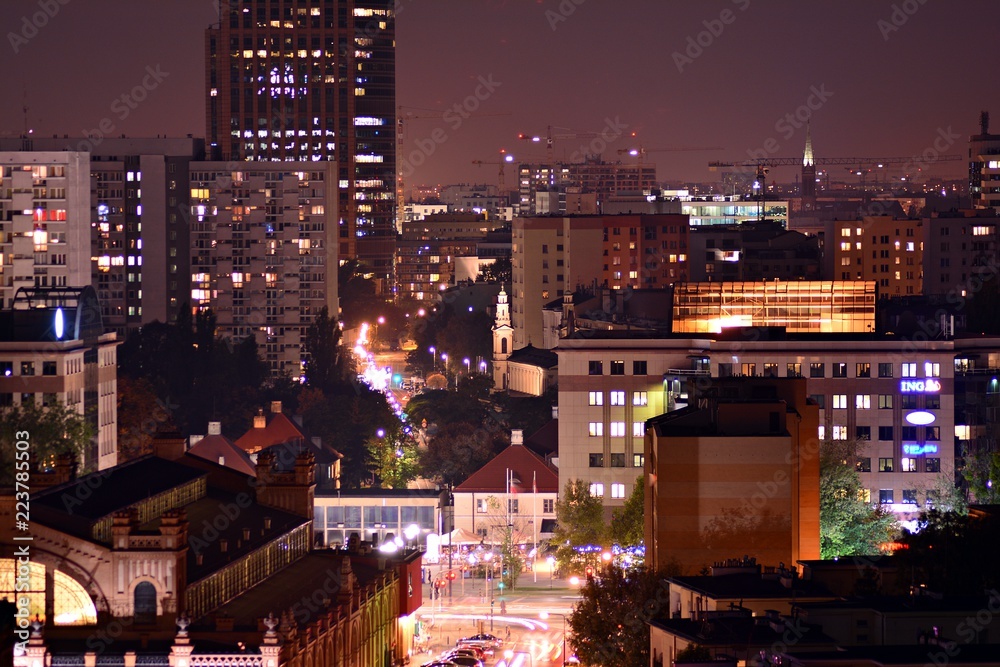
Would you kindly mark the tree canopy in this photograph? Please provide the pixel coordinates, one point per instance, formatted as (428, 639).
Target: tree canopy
(50, 430)
(952, 553)
(627, 525)
(610, 623)
(457, 450)
(850, 525)
(579, 523)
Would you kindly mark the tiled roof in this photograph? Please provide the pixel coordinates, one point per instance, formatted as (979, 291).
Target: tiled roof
(279, 429)
(526, 465)
(213, 447)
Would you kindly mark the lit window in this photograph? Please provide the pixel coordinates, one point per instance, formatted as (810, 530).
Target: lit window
(909, 370)
(596, 429)
(617, 490)
(597, 490)
(639, 398)
(638, 429)
(840, 433)
(932, 370)
(617, 429)
(863, 401)
(908, 464)
(618, 398)
(840, 401)
(597, 398)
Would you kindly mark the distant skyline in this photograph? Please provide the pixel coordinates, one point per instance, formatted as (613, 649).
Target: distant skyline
(879, 79)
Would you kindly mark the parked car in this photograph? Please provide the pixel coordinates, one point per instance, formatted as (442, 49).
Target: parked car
(439, 663)
(465, 660)
(471, 651)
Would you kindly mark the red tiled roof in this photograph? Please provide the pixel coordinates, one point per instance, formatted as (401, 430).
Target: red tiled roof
(211, 447)
(526, 465)
(280, 429)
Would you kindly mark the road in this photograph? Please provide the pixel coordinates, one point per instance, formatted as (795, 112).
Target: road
(534, 641)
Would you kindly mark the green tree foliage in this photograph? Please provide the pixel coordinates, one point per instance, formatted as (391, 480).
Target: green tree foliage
(324, 369)
(394, 456)
(197, 376)
(528, 413)
(456, 451)
(140, 414)
(953, 553)
(849, 526)
(444, 407)
(51, 431)
(627, 525)
(579, 523)
(982, 475)
(610, 623)
(694, 653)
(499, 271)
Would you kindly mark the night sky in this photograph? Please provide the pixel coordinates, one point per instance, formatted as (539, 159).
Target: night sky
(885, 78)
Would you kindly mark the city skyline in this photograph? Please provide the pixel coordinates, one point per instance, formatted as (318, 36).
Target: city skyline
(882, 79)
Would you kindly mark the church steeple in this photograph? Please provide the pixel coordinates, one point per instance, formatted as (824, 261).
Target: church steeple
(807, 155)
(503, 341)
(808, 174)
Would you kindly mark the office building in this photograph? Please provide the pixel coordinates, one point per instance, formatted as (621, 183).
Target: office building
(309, 81)
(429, 251)
(54, 349)
(882, 248)
(44, 221)
(592, 176)
(264, 252)
(961, 251)
(752, 251)
(984, 166)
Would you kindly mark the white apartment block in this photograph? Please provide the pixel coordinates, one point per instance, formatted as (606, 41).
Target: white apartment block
(264, 251)
(44, 221)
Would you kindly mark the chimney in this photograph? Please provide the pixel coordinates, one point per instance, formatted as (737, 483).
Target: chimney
(215, 428)
(259, 420)
(517, 436)
(276, 407)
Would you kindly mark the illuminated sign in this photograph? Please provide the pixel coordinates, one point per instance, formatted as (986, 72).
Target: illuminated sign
(928, 386)
(60, 324)
(920, 418)
(919, 450)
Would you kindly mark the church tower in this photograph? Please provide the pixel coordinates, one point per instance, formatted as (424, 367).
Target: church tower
(808, 175)
(503, 341)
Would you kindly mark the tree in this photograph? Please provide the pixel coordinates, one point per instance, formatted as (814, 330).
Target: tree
(394, 455)
(952, 553)
(982, 474)
(694, 653)
(50, 431)
(498, 271)
(322, 350)
(139, 415)
(610, 623)
(627, 522)
(579, 523)
(456, 451)
(849, 526)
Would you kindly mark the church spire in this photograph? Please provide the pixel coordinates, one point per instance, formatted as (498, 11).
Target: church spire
(807, 156)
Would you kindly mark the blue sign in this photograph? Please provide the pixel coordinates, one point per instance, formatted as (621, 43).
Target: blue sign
(912, 449)
(928, 386)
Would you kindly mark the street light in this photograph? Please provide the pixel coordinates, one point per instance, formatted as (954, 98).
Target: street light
(482, 366)
(433, 351)
(411, 532)
(544, 615)
(466, 362)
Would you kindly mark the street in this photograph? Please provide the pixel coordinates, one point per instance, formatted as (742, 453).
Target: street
(532, 627)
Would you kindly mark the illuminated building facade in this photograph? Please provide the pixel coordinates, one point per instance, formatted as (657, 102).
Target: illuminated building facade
(963, 249)
(44, 220)
(592, 176)
(264, 252)
(984, 166)
(887, 250)
(752, 251)
(429, 248)
(53, 348)
(802, 306)
(311, 81)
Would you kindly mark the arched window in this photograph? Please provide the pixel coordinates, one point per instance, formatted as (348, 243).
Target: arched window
(503, 346)
(145, 603)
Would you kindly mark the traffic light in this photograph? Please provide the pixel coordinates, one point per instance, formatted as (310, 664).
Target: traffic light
(451, 576)
(500, 585)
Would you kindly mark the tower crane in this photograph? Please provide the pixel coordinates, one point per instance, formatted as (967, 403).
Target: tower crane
(401, 119)
(505, 158)
(641, 152)
(550, 138)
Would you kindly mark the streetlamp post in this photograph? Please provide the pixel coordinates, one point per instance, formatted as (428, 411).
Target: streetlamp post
(545, 614)
(433, 351)
(466, 362)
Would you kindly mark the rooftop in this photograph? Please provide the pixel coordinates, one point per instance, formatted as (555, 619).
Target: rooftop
(528, 468)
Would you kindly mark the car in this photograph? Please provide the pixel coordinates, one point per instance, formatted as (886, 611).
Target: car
(439, 663)
(471, 651)
(465, 661)
(485, 637)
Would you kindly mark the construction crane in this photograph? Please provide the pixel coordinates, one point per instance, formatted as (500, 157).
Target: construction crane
(640, 152)
(400, 133)
(505, 158)
(550, 138)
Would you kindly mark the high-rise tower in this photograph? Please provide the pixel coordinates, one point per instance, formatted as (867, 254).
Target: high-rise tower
(808, 175)
(313, 80)
(984, 166)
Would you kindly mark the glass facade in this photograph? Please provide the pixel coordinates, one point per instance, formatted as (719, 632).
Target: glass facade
(798, 306)
(336, 523)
